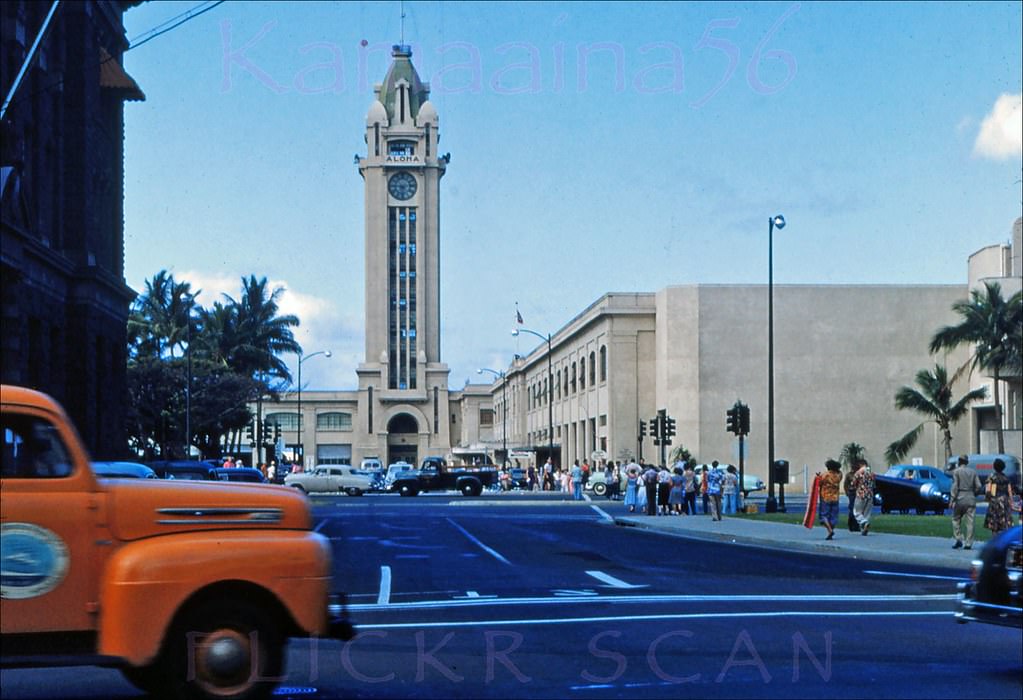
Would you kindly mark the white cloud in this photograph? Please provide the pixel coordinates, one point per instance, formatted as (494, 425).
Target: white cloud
(1001, 132)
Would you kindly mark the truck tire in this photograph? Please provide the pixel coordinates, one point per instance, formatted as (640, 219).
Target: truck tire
(214, 647)
(353, 491)
(407, 490)
(471, 487)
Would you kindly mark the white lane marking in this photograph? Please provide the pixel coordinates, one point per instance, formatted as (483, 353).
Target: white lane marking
(613, 582)
(602, 513)
(475, 541)
(900, 573)
(666, 616)
(384, 596)
(590, 599)
(320, 524)
(474, 595)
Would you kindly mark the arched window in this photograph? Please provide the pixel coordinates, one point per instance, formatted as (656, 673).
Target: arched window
(558, 384)
(582, 373)
(603, 363)
(593, 368)
(334, 421)
(573, 377)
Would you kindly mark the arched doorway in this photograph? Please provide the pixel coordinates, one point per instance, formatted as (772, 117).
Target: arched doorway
(403, 439)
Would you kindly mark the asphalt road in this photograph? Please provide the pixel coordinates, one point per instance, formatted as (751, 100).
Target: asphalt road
(459, 597)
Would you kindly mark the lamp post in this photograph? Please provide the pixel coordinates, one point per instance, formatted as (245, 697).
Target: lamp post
(504, 409)
(302, 358)
(550, 389)
(777, 221)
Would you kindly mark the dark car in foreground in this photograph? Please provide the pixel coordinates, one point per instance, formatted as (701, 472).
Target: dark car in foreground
(123, 470)
(906, 487)
(184, 469)
(995, 592)
(249, 475)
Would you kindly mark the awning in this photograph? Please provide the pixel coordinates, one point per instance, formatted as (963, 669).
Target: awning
(113, 77)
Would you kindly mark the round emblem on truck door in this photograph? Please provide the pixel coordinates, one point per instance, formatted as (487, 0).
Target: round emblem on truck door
(33, 561)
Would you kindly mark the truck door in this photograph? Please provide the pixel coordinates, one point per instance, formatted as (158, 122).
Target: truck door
(51, 527)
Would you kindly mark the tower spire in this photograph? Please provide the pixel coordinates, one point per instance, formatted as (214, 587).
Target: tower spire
(401, 5)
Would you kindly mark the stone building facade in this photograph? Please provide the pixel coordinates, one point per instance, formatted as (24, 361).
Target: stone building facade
(64, 299)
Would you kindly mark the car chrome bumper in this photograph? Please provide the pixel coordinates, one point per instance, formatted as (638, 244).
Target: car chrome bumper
(968, 609)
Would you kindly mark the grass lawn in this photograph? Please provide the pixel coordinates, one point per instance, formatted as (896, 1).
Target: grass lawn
(897, 524)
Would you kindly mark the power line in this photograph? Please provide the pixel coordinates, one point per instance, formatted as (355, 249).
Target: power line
(158, 31)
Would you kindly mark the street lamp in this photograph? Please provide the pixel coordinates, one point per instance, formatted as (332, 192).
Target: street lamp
(775, 222)
(302, 358)
(504, 408)
(550, 389)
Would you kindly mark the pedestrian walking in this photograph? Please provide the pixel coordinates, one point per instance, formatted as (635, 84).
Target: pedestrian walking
(650, 486)
(576, 476)
(1000, 499)
(714, 479)
(689, 487)
(863, 485)
(631, 486)
(531, 479)
(830, 487)
(730, 491)
(966, 487)
(676, 496)
(548, 475)
(663, 490)
(850, 495)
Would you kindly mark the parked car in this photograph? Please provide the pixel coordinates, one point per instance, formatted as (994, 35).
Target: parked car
(184, 469)
(247, 474)
(123, 470)
(333, 478)
(994, 593)
(906, 487)
(403, 469)
(983, 464)
(902, 494)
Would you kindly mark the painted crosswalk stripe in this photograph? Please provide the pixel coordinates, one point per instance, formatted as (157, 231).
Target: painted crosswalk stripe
(612, 581)
(384, 597)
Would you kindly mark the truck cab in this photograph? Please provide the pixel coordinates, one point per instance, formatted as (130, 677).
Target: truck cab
(222, 575)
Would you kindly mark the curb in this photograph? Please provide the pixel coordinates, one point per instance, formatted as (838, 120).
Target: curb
(831, 548)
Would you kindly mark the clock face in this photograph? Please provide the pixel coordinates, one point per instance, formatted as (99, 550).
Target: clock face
(402, 186)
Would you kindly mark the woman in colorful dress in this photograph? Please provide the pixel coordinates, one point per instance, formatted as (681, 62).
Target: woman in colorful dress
(631, 484)
(677, 493)
(999, 500)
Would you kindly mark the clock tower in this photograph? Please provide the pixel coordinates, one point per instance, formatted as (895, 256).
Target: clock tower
(403, 385)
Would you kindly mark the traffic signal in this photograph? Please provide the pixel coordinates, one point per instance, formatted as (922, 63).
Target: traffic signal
(743, 419)
(669, 427)
(248, 431)
(277, 432)
(268, 430)
(642, 429)
(655, 429)
(732, 421)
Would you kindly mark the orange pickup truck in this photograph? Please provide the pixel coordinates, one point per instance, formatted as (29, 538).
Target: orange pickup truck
(191, 589)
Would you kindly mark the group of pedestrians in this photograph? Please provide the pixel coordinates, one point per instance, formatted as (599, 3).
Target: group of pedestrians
(859, 486)
(661, 491)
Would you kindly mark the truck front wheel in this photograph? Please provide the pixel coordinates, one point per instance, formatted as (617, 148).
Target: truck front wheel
(407, 490)
(226, 649)
(470, 487)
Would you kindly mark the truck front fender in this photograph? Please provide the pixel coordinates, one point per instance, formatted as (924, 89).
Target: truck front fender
(145, 583)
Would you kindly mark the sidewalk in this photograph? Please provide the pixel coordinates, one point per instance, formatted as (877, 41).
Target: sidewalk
(877, 546)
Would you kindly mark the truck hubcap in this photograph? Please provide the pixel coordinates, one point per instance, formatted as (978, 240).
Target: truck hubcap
(224, 659)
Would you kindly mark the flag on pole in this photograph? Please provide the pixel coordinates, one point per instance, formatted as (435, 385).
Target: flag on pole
(518, 317)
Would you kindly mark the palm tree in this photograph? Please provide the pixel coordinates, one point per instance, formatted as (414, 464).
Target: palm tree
(852, 452)
(159, 321)
(933, 400)
(993, 326)
(262, 335)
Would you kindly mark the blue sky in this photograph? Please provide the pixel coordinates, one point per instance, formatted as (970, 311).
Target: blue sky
(595, 147)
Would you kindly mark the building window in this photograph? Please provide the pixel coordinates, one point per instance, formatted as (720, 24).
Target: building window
(593, 369)
(603, 363)
(582, 373)
(334, 421)
(486, 417)
(287, 421)
(401, 148)
(573, 377)
(558, 384)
